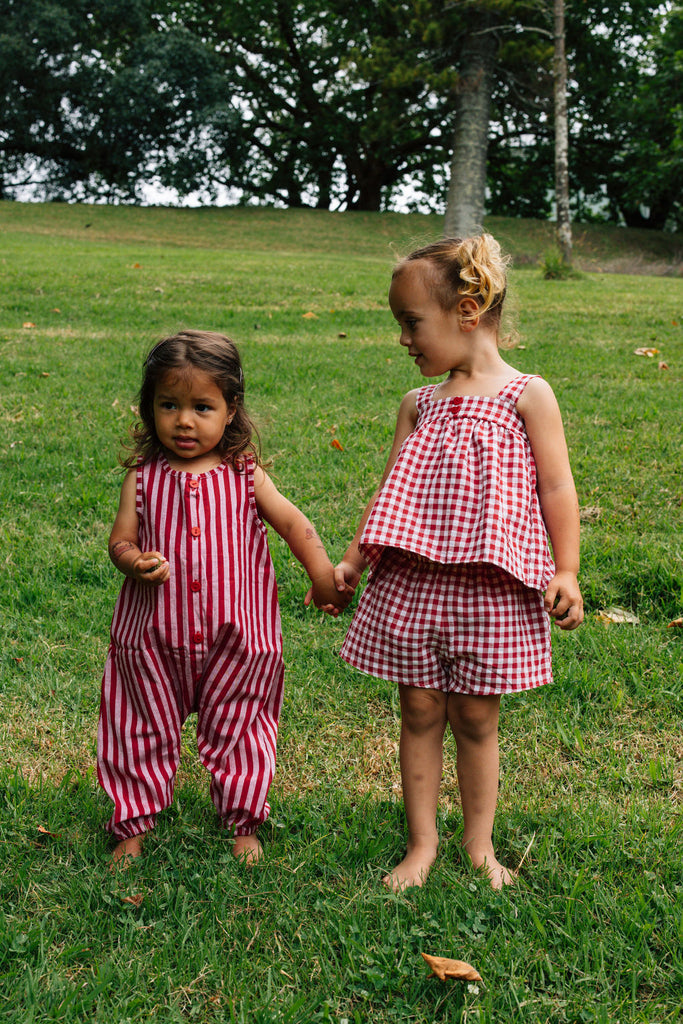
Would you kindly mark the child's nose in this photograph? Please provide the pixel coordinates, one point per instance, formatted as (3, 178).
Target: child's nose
(185, 416)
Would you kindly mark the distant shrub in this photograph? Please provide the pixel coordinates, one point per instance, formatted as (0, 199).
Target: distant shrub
(554, 267)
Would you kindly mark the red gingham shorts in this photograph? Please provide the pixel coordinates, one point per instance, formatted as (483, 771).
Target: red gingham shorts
(470, 629)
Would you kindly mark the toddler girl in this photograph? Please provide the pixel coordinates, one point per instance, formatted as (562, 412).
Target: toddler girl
(462, 584)
(196, 626)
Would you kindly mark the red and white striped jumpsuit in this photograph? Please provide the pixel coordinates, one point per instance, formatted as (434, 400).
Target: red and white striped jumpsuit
(208, 640)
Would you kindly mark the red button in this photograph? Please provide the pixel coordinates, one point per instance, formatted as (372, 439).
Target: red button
(195, 585)
(194, 484)
(195, 531)
(198, 637)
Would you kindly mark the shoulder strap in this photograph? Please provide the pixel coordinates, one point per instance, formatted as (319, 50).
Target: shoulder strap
(514, 389)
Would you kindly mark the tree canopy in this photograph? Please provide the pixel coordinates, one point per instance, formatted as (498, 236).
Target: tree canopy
(341, 103)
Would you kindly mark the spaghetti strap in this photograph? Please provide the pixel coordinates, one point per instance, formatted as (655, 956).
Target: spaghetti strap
(513, 390)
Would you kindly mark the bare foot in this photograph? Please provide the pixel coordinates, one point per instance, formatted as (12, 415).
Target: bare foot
(498, 875)
(486, 862)
(413, 869)
(126, 851)
(248, 850)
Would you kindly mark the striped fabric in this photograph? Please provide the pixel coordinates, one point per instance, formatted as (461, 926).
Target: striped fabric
(463, 489)
(208, 640)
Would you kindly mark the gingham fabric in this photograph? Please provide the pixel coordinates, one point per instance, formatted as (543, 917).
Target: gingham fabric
(469, 629)
(463, 489)
(208, 640)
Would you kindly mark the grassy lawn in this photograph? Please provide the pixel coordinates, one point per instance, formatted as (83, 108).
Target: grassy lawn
(591, 776)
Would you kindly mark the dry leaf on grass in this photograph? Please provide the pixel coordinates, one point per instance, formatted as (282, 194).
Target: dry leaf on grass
(335, 444)
(309, 316)
(46, 832)
(617, 615)
(676, 623)
(136, 900)
(442, 968)
(649, 352)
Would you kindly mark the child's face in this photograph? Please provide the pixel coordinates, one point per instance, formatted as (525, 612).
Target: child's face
(432, 335)
(190, 414)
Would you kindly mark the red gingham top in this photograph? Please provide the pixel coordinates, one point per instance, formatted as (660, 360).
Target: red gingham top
(463, 489)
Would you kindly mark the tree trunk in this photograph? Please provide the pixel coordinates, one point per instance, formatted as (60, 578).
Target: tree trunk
(564, 227)
(467, 188)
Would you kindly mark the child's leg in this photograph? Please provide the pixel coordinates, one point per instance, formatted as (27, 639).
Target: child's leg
(423, 723)
(474, 722)
(138, 743)
(237, 722)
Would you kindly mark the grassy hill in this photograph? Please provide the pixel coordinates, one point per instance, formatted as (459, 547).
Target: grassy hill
(597, 247)
(591, 777)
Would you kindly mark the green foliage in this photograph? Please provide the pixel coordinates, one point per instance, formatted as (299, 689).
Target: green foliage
(554, 267)
(590, 767)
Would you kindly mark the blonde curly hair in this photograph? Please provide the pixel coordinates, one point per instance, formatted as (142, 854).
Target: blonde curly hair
(466, 267)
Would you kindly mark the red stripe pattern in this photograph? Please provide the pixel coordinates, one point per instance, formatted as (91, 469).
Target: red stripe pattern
(208, 640)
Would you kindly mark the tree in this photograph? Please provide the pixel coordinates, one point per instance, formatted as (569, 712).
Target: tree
(564, 229)
(467, 188)
(339, 100)
(613, 85)
(646, 181)
(497, 38)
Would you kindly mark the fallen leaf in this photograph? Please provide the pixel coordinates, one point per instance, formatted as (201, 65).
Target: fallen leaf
(28, 325)
(55, 311)
(617, 615)
(136, 266)
(342, 334)
(335, 444)
(46, 832)
(136, 900)
(309, 316)
(443, 968)
(676, 623)
(589, 513)
(662, 365)
(649, 352)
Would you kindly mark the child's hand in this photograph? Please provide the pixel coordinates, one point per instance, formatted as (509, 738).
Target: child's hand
(151, 568)
(327, 595)
(346, 575)
(563, 600)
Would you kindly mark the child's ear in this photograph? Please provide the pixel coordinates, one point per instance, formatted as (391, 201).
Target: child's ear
(468, 309)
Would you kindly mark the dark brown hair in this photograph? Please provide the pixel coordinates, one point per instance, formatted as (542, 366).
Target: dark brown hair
(217, 356)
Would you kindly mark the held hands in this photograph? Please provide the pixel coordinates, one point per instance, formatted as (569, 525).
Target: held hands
(330, 592)
(563, 600)
(151, 569)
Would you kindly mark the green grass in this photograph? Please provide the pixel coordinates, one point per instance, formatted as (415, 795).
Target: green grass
(590, 768)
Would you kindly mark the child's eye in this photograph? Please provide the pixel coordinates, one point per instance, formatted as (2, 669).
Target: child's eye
(201, 407)
(411, 324)
(167, 405)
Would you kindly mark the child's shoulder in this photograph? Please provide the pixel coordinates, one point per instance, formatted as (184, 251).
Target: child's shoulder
(537, 396)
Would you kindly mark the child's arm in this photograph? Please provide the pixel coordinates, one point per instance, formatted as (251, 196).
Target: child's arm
(304, 543)
(150, 567)
(349, 571)
(557, 495)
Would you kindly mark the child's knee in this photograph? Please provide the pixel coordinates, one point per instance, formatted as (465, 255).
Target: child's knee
(422, 710)
(474, 718)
